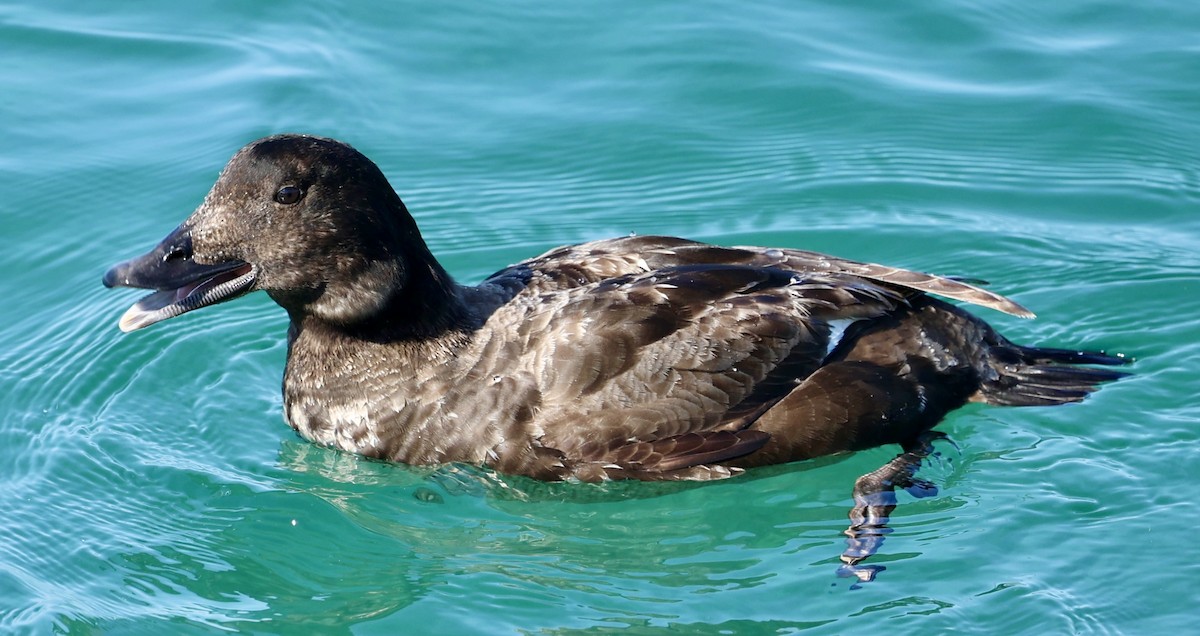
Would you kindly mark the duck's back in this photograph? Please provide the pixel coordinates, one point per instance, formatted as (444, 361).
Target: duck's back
(593, 262)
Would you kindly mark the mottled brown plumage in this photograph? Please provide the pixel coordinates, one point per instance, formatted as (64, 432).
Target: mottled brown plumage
(638, 357)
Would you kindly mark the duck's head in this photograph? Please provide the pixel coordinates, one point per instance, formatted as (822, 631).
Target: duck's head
(310, 220)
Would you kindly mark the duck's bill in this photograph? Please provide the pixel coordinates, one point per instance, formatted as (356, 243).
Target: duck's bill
(181, 284)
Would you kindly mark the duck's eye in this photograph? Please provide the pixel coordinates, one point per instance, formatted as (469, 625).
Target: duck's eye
(288, 195)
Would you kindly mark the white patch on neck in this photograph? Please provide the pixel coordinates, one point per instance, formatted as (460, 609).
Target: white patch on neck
(362, 295)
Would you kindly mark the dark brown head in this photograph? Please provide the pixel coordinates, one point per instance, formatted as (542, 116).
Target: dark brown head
(310, 220)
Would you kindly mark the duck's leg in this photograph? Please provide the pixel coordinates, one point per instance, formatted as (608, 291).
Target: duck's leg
(874, 501)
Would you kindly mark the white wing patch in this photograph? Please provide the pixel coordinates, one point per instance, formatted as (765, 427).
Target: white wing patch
(837, 331)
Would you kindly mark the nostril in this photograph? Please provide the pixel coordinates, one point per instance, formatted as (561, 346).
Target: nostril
(179, 248)
(174, 254)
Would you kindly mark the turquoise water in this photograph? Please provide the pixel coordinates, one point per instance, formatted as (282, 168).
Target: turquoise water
(148, 484)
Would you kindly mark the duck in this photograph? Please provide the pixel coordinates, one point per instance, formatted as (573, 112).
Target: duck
(638, 357)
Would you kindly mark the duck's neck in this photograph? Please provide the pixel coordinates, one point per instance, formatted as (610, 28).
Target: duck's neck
(358, 388)
(428, 307)
(399, 343)
(409, 299)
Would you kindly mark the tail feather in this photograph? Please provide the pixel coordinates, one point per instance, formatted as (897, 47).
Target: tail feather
(1045, 355)
(1033, 376)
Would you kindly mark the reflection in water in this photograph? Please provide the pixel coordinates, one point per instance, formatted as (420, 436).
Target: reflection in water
(587, 536)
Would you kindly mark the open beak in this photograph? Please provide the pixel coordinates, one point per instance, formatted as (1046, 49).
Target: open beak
(182, 284)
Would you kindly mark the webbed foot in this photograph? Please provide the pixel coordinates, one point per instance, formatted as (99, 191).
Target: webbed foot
(874, 501)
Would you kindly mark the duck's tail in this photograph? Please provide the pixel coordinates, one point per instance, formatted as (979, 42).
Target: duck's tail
(1039, 376)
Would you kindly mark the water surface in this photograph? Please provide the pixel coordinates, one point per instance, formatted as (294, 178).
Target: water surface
(148, 483)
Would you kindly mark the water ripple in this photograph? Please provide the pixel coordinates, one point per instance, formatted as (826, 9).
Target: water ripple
(148, 479)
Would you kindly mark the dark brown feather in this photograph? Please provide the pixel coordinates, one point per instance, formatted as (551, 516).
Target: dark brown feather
(591, 262)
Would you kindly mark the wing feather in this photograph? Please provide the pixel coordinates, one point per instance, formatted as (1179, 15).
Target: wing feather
(638, 359)
(593, 262)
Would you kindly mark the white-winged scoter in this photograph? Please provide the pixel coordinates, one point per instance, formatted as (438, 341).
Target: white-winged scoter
(641, 357)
